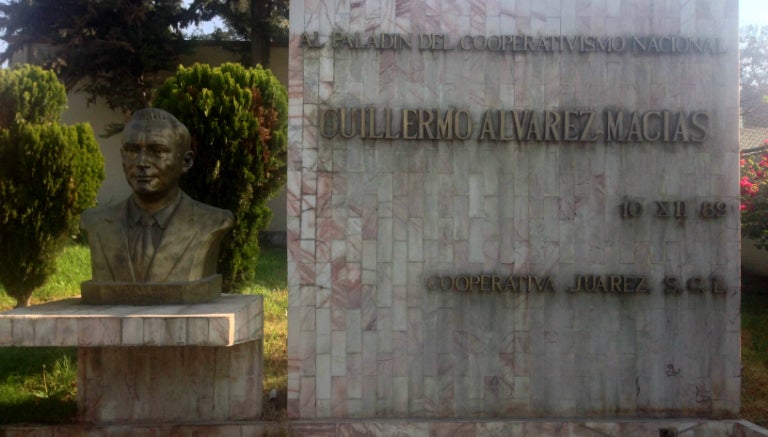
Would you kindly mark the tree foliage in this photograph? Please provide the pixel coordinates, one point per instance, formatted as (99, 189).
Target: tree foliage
(754, 197)
(120, 50)
(261, 22)
(49, 173)
(238, 121)
(114, 49)
(754, 75)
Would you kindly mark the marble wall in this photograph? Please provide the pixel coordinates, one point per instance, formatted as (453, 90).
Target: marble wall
(371, 221)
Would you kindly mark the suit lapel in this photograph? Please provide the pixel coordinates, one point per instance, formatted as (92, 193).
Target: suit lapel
(115, 234)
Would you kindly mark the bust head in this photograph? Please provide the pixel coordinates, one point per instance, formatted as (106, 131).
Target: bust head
(155, 152)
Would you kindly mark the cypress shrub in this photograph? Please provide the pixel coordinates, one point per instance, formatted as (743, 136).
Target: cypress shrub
(49, 173)
(237, 118)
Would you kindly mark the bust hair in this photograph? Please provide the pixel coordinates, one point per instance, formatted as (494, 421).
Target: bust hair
(149, 114)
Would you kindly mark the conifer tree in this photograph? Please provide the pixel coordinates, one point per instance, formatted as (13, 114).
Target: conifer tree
(49, 173)
(237, 118)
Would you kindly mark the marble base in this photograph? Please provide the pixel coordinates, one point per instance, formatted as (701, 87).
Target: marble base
(152, 364)
(164, 384)
(411, 427)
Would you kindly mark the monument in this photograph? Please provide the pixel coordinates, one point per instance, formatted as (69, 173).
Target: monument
(513, 209)
(159, 235)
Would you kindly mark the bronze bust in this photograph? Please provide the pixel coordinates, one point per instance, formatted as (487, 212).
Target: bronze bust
(159, 246)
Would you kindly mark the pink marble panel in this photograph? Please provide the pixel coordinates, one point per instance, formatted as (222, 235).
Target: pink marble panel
(385, 217)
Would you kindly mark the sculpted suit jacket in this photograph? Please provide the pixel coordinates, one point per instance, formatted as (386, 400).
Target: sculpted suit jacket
(188, 250)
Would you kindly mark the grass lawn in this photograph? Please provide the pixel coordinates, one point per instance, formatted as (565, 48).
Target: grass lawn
(39, 384)
(754, 350)
(272, 283)
(72, 267)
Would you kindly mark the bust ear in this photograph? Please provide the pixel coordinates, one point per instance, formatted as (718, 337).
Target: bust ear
(187, 160)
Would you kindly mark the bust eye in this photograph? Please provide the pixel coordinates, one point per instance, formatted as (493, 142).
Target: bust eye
(156, 152)
(130, 150)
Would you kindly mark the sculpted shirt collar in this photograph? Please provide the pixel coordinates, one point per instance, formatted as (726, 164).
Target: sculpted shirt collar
(162, 216)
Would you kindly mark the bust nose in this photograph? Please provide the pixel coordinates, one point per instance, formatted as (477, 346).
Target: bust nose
(141, 158)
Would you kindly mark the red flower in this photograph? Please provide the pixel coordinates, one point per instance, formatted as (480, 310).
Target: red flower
(753, 187)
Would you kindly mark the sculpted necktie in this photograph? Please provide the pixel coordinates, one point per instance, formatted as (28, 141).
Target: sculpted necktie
(145, 249)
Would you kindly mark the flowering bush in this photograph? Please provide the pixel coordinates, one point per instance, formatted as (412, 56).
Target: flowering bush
(754, 197)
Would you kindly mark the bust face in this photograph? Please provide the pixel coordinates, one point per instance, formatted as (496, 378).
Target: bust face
(152, 160)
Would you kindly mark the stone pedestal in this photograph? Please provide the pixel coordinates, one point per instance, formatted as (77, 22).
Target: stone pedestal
(183, 363)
